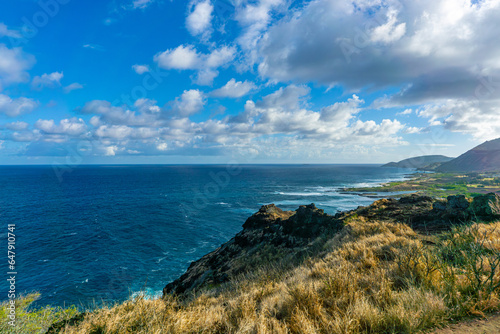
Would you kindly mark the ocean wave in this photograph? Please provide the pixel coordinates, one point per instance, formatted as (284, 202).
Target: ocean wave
(305, 194)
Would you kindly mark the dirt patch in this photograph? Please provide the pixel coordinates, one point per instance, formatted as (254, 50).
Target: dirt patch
(491, 325)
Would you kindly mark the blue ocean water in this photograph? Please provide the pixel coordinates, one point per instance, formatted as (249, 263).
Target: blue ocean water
(102, 233)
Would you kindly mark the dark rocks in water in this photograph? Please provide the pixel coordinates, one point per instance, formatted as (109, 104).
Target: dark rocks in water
(272, 236)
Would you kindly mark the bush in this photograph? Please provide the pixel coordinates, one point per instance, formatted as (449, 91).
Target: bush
(32, 320)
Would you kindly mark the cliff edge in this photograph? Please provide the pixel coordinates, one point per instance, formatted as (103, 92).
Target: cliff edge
(272, 236)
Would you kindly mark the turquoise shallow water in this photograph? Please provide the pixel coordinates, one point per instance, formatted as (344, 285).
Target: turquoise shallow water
(106, 232)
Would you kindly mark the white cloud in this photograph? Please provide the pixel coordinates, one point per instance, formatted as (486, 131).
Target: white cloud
(199, 18)
(405, 112)
(118, 115)
(205, 77)
(111, 150)
(342, 112)
(255, 18)
(147, 106)
(162, 146)
(94, 47)
(17, 126)
(6, 32)
(180, 58)
(114, 131)
(71, 127)
(188, 58)
(141, 69)
(190, 102)
(72, 87)
(14, 64)
(220, 57)
(141, 4)
(51, 80)
(280, 124)
(234, 89)
(390, 31)
(16, 107)
(427, 46)
(412, 130)
(481, 119)
(286, 98)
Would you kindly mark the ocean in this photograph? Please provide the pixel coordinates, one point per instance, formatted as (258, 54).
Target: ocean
(104, 233)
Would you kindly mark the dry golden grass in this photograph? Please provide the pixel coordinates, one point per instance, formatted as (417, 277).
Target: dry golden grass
(373, 277)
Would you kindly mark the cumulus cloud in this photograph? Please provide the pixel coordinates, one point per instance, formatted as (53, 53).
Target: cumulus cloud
(14, 64)
(287, 98)
(442, 55)
(234, 89)
(255, 17)
(51, 80)
(342, 112)
(390, 31)
(481, 119)
(141, 69)
(16, 107)
(71, 127)
(381, 43)
(117, 115)
(180, 58)
(186, 57)
(199, 19)
(17, 126)
(189, 103)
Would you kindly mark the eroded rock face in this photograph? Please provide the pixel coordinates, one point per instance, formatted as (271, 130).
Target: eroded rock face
(269, 235)
(272, 235)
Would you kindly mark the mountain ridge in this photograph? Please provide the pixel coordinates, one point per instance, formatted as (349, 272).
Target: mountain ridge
(420, 161)
(482, 158)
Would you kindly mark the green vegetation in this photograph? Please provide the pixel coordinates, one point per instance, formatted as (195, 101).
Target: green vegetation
(373, 277)
(439, 185)
(31, 320)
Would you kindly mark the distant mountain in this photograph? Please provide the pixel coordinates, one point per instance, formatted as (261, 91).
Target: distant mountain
(431, 161)
(483, 158)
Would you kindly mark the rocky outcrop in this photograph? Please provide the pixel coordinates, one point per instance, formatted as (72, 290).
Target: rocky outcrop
(272, 236)
(485, 207)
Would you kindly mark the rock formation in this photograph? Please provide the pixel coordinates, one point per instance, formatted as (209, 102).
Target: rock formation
(273, 236)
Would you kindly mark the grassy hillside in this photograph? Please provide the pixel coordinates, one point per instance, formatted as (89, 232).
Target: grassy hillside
(482, 158)
(375, 275)
(439, 185)
(420, 162)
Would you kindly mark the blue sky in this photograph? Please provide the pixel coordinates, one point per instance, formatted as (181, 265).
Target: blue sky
(263, 81)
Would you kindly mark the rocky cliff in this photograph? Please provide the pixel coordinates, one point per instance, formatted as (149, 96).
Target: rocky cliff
(276, 237)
